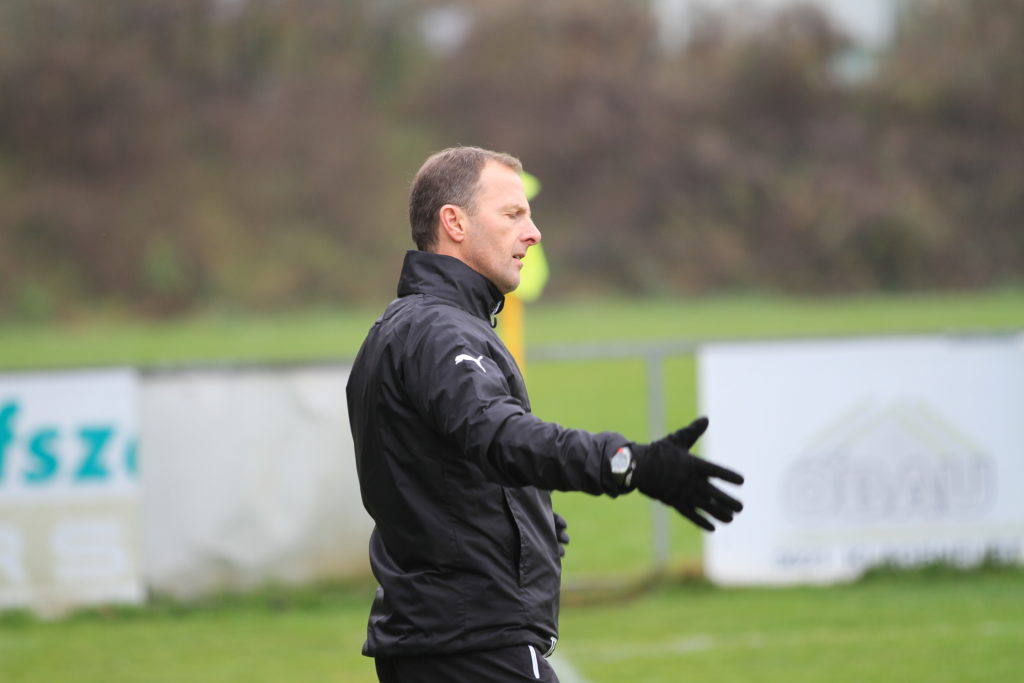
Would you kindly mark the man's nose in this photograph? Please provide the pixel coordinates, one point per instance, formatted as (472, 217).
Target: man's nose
(532, 235)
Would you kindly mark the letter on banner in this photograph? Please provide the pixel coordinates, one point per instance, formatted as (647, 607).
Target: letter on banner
(68, 489)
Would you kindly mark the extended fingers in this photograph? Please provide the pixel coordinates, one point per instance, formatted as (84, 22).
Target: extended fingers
(709, 493)
(688, 435)
(695, 517)
(713, 507)
(719, 511)
(710, 469)
(560, 526)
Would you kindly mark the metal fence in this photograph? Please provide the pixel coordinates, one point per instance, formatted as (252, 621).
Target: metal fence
(654, 355)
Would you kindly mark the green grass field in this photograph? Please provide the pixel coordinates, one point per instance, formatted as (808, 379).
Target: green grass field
(943, 626)
(894, 628)
(331, 334)
(936, 627)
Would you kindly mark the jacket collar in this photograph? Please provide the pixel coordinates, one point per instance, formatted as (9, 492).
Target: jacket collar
(452, 280)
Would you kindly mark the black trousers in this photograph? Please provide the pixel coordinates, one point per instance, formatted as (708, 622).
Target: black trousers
(506, 665)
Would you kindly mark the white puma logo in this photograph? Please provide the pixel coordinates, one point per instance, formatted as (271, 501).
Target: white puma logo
(463, 356)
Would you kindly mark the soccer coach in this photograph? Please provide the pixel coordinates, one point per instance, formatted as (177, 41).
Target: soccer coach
(453, 467)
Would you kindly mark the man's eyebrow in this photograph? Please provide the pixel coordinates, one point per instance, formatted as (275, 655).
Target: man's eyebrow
(518, 208)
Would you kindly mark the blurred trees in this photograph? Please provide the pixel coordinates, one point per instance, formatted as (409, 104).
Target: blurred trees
(160, 156)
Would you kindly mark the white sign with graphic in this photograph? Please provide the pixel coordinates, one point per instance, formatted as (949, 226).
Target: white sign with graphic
(864, 452)
(68, 489)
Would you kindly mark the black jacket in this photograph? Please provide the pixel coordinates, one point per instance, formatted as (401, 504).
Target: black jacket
(455, 472)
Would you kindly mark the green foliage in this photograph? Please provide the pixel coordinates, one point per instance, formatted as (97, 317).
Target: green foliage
(163, 157)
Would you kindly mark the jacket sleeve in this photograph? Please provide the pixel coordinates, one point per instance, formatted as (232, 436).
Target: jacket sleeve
(462, 392)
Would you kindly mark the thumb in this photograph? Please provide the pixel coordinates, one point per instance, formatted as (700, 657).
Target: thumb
(688, 435)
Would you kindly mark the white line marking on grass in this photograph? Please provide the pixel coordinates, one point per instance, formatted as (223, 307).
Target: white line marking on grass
(567, 673)
(820, 636)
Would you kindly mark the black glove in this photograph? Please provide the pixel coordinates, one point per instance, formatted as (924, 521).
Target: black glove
(563, 538)
(666, 470)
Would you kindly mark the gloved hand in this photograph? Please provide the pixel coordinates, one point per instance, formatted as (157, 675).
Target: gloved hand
(563, 538)
(666, 470)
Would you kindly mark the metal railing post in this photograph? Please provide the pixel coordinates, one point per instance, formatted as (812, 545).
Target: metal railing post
(661, 538)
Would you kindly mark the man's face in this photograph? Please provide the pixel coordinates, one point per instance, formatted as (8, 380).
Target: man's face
(500, 228)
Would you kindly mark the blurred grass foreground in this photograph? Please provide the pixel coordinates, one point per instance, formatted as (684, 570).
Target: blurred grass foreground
(921, 626)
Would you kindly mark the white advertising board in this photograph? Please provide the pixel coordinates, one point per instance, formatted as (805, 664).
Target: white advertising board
(249, 479)
(68, 489)
(900, 451)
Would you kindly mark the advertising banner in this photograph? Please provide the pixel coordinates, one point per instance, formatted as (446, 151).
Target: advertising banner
(901, 451)
(68, 489)
(250, 479)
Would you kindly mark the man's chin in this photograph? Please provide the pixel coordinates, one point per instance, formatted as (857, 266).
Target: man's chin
(508, 285)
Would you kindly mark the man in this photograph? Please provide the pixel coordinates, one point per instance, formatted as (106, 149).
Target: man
(454, 468)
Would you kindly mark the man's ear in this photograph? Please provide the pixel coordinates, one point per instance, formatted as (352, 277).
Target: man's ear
(453, 223)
